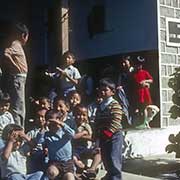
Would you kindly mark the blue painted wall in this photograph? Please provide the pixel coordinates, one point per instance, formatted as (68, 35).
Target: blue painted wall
(130, 26)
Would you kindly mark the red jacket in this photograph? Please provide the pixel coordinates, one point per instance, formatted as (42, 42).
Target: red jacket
(143, 93)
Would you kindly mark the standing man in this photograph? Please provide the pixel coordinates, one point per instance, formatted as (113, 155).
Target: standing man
(15, 67)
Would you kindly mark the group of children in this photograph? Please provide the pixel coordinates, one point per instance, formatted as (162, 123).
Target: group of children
(64, 132)
(55, 146)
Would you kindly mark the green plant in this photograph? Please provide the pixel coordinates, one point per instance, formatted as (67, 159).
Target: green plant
(175, 144)
(174, 83)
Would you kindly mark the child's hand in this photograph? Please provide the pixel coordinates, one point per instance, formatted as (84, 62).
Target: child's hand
(57, 122)
(85, 133)
(45, 150)
(49, 74)
(46, 73)
(61, 71)
(145, 84)
(136, 111)
(23, 136)
(119, 88)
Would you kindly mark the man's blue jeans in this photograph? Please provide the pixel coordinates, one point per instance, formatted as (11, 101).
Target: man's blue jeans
(111, 151)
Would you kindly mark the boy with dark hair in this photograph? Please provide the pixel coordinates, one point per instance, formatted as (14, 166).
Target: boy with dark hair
(5, 116)
(83, 135)
(58, 142)
(13, 154)
(37, 159)
(108, 130)
(68, 75)
(124, 89)
(15, 67)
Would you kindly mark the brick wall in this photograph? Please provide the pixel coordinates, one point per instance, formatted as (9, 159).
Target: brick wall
(169, 59)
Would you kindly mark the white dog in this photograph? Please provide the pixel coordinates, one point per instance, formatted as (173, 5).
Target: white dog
(149, 113)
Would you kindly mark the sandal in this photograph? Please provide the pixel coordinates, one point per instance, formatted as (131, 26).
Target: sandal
(89, 174)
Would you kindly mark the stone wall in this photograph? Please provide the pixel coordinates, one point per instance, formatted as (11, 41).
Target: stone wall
(169, 59)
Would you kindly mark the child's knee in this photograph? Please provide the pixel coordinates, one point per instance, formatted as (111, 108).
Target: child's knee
(52, 172)
(69, 176)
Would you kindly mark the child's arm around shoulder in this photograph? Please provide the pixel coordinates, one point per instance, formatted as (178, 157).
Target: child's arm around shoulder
(85, 134)
(80, 135)
(67, 129)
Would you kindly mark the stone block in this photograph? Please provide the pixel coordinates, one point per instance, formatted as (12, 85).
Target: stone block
(162, 47)
(162, 2)
(165, 121)
(164, 81)
(166, 11)
(178, 60)
(163, 70)
(170, 92)
(162, 22)
(168, 2)
(169, 70)
(163, 35)
(173, 3)
(168, 58)
(172, 49)
(177, 13)
(164, 95)
(165, 108)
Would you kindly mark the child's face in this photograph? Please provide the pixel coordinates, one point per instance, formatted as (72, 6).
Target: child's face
(68, 60)
(4, 107)
(40, 118)
(44, 103)
(106, 92)
(17, 140)
(17, 145)
(126, 64)
(61, 107)
(75, 99)
(139, 66)
(99, 99)
(52, 123)
(81, 116)
(24, 38)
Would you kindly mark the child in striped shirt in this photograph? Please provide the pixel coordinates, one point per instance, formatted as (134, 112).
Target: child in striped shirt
(108, 129)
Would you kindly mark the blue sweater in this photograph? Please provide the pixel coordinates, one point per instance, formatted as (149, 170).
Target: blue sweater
(59, 144)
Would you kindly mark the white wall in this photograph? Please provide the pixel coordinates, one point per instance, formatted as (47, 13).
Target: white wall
(130, 26)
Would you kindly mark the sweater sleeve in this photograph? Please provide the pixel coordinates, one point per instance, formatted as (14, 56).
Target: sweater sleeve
(70, 132)
(116, 117)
